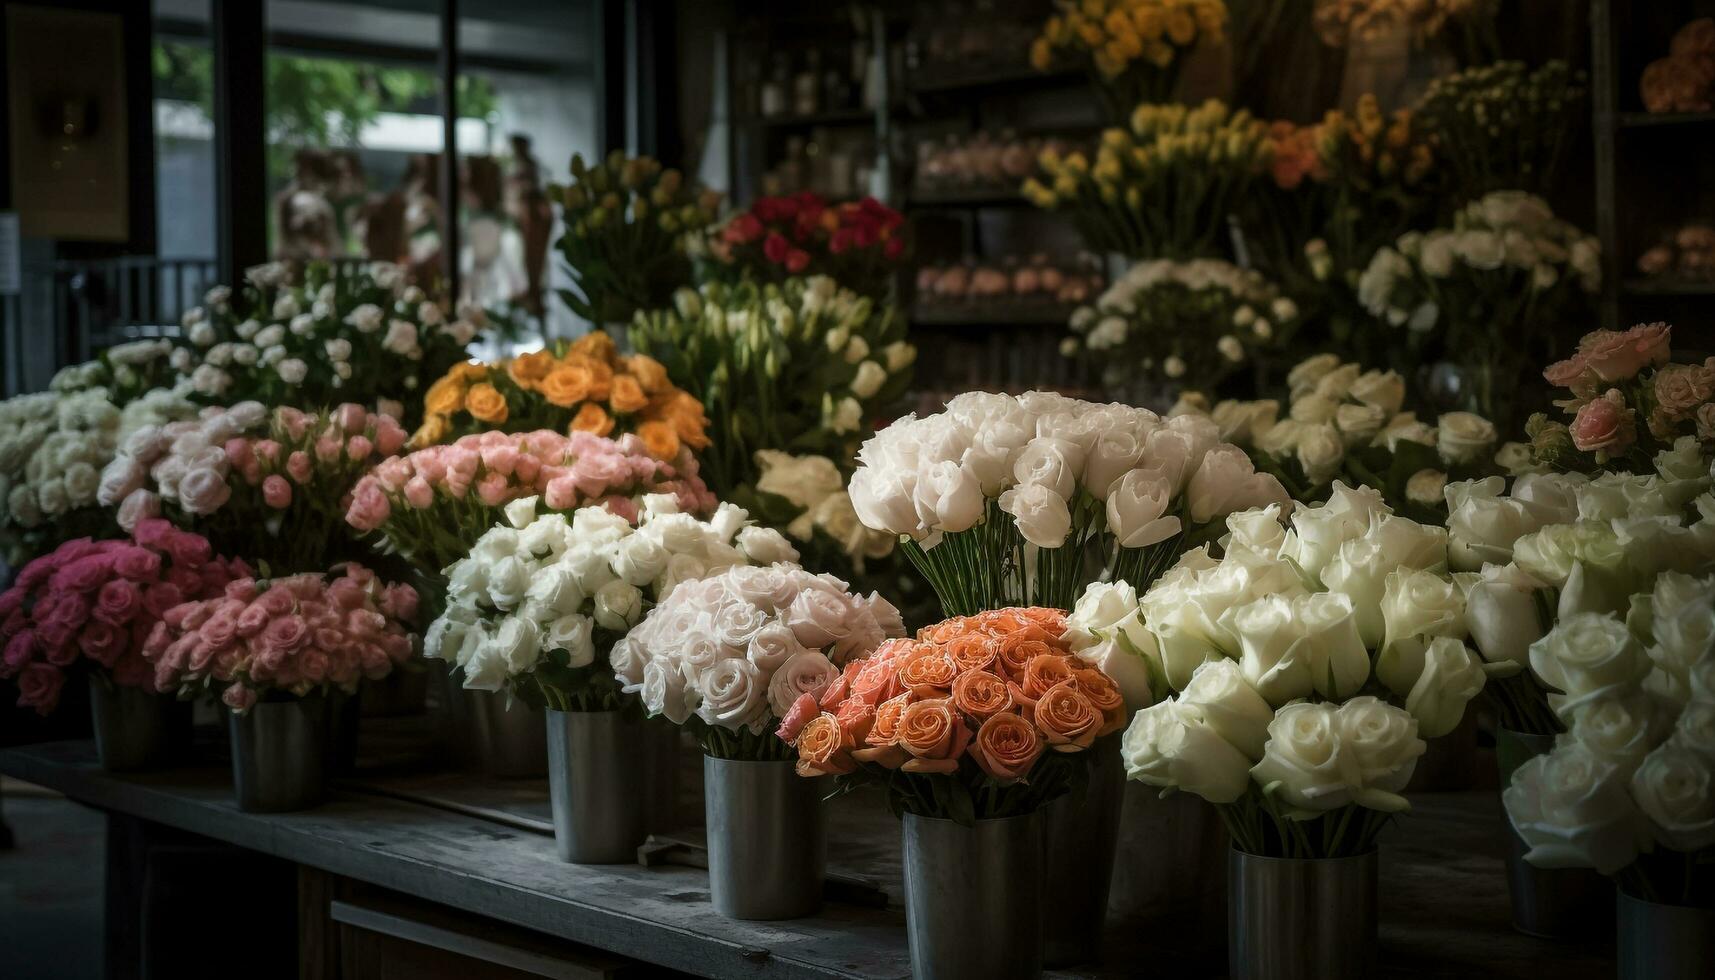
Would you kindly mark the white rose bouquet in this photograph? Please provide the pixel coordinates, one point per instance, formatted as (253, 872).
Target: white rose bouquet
(542, 600)
(1006, 501)
(807, 496)
(338, 336)
(1629, 789)
(1188, 324)
(1293, 681)
(1486, 293)
(1343, 422)
(730, 656)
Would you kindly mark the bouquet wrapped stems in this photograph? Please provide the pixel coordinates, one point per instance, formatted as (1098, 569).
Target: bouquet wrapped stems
(1259, 825)
(992, 566)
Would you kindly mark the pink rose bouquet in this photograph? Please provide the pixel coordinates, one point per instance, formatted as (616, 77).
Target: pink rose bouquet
(291, 636)
(431, 505)
(270, 485)
(92, 604)
(1628, 401)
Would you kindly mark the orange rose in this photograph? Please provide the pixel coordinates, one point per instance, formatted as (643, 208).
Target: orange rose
(627, 395)
(883, 737)
(591, 418)
(485, 402)
(1066, 718)
(928, 673)
(469, 371)
(1006, 747)
(649, 373)
(1043, 672)
(686, 414)
(945, 631)
(565, 386)
(527, 369)
(1104, 695)
(659, 440)
(877, 679)
(856, 718)
(981, 694)
(1016, 651)
(596, 344)
(432, 432)
(822, 749)
(972, 651)
(601, 379)
(934, 734)
(445, 396)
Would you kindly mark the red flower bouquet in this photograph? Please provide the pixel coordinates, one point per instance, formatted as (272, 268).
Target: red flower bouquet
(859, 243)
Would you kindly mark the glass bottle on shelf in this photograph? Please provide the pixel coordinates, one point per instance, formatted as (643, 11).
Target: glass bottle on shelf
(773, 98)
(806, 83)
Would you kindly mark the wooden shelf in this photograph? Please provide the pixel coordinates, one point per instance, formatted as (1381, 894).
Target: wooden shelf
(1650, 120)
(943, 83)
(1668, 287)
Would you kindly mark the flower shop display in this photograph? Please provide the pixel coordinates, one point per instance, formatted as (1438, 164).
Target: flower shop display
(981, 162)
(858, 244)
(1345, 423)
(1629, 403)
(1160, 187)
(1687, 253)
(1133, 49)
(1019, 286)
(341, 334)
(1503, 126)
(1001, 500)
(586, 386)
(429, 506)
(272, 651)
(1186, 325)
(807, 497)
(971, 729)
(270, 485)
(1683, 80)
(742, 659)
(89, 607)
(1629, 789)
(1292, 683)
(627, 220)
(1484, 294)
(1465, 26)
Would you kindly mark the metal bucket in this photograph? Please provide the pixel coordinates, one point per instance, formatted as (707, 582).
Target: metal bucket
(974, 896)
(1083, 835)
(1301, 919)
(664, 765)
(767, 839)
(1552, 903)
(136, 729)
(1171, 869)
(596, 783)
(510, 736)
(1664, 942)
(278, 753)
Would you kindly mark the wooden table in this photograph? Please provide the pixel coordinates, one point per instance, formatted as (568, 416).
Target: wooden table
(484, 848)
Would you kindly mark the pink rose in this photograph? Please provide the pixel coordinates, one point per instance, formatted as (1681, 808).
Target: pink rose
(137, 564)
(561, 493)
(351, 417)
(502, 459)
(1651, 342)
(252, 621)
(118, 603)
(400, 602)
(59, 643)
(102, 643)
(244, 589)
(39, 687)
(186, 579)
(276, 492)
(277, 601)
(1706, 422)
(20, 650)
(10, 601)
(1573, 374)
(238, 697)
(389, 437)
(493, 490)
(160, 597)
(313, 665)
(1616, 356)
(69, 609)
(266, 450)
(85, 574)
(328, 449)
(525, 469)
(393, 473)
(294, 421)
(219, 630)
(189, 550)
(799, 715)
(1605, 425)
(287, 634)
(15, 622)
(418, 493)
(153, 533)
(369, 507)
(299, 467)
(358, 448)
(1680, 388)
(237, 450)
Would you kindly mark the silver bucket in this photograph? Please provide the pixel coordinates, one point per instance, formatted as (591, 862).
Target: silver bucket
(279, 749)
(1083, 835)
(510, 736)
(597, 778)
(1552, 903)
(974, 897)
(767, 839)
(1301, 918)
(1171, 869)
(136, 729)
(664, 765)
(1664, 942)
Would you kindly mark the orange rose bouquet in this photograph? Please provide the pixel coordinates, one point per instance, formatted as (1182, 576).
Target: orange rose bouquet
(979, 717)
(587, 386)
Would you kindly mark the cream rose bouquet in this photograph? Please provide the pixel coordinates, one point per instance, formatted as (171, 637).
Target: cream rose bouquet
(732, 655)
(807, 496)
(1629, 789)
(1188, 325)
(1293, 681)
(1002, 501)
(542, 600)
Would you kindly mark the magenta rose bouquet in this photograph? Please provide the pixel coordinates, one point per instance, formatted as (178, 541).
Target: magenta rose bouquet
(288, 637)
(430, 506)
(272, 486)
(90, 605)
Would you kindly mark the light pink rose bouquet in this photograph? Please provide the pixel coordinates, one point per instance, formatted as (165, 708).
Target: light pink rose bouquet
(291, 636)
(272, 486)
(431, 505)
(90, 605)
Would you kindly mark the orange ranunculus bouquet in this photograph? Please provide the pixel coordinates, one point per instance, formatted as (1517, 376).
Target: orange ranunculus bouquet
(979, 717)
(586, 386)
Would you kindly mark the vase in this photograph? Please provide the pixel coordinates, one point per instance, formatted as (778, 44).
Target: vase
(1664, 942)
(663, 763)
(1552, 903)
(767, 839)
(405, 691)
(1171, 869)
(974, 896)
(136, 729)
(279, 751)
(344, 716)
(597, 780)
(1301, 918)
(1082, 830)
(510, 736)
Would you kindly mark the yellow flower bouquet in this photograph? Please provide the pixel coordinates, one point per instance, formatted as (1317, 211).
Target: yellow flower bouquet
(1132, 48)
(586, 386)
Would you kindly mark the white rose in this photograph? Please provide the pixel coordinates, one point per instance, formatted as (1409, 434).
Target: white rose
(771, 646)
(1501, 614)
(766, 546)
(868, 380)
(884, 501)
(1220, 485)
(1257, 531)
(1451, 677)
(732, 692)
(1675, 788)
(1416, 607)
(1305, 756)
(1041, 514)
(292, 371)
(1462, 438)
(517, 643)
(1169, 746)
(1129, 671)
(1318, 532)
(899, 356)
(948, 498)
(1483, 525)
(508, 581)
(1621, 730)
(618, 604)
(1380, 389)
(1358, 424)
(555, 589)
(1137, 510)
(1585, 657)
(639, 559)
(575, 635)
(1695, 729)
(1338, 660)
(1426, 488)
(1573, 810)
(665, 693)
(1381, 742)
(269, 336)
(1052, 463)
(1273, 656)
(1113, 454)
(1315, 409)
(819, 619)
(808, 672)
(1228, 703)
(1320, 451)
